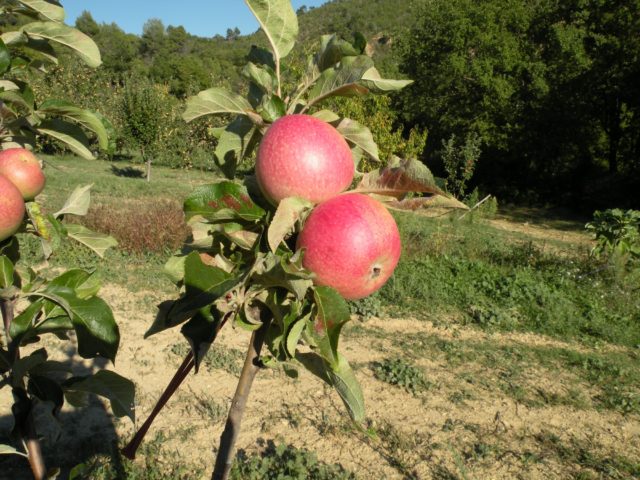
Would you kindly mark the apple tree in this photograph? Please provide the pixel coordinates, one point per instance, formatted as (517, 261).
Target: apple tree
(241, 265)
(32, 305)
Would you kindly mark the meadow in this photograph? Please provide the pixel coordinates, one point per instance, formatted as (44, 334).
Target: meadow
(499, 349)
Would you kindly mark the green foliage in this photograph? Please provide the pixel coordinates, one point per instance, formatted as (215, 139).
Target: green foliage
(460, 162)
(398, 372)
(285, 462)
(366, 307)
(616, 232)
(142, 109)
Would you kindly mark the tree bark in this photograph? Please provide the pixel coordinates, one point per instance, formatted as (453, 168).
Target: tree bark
(226, 453)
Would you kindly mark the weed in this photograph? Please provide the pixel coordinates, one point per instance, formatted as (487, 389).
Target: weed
(208, 407)
(219, 357)
(366, 307)
(398, 372)
(285, 462)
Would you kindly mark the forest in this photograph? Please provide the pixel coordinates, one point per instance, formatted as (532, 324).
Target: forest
(534, 102)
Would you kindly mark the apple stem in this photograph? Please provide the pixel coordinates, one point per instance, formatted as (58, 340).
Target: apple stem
(27, 428)
(226, 453)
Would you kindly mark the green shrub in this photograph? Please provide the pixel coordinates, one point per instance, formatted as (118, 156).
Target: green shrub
(285, 462)
(400, 373)
(617, 232)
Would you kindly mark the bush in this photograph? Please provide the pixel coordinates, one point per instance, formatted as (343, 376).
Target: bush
(617, 232)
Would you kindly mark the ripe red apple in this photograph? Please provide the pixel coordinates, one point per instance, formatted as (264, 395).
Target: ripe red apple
(351, 243)
(11, 208)
(23, 169)
(302, 156)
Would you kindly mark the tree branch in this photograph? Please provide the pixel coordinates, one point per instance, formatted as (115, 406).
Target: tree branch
(226, 453)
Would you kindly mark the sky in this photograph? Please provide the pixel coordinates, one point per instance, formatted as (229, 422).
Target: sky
(204, 18)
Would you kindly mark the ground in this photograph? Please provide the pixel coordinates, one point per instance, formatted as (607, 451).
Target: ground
(460, 401)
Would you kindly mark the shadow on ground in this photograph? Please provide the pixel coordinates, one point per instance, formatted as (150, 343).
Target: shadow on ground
(73, 437)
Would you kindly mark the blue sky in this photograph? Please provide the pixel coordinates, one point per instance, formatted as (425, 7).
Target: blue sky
(199, 17)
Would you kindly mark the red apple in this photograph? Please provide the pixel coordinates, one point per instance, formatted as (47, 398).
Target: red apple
(11, 208)
(351, 243)
(23, 169)
(302, 156)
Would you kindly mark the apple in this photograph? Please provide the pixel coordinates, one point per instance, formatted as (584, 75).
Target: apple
(23, 169)
(12, 208)
(352, 243)
(302, 156)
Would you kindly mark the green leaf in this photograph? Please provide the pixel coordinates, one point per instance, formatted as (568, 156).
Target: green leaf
(203, 285)
(6, 272)
(51, 10)
(201, 331)
(342, 80)
(84, 283)
(372, 80)
(46, 390)
(332, 50)
(5, 57)
(436, 203)
(263, 77)
(331, 315)
(290, 211)
(98, 242)
(23, 323)
(293, 337)
(346, 384)
(77, 41)
(69, 134)
(272, 108)
(359, 136)
(77, 203)
(118, 390)
(86, 118)
(215, 101)
(233, 144)
(279, 23)
(95, 326)
(13, 38)
(24, 365)
(222, 201)
(9, 450)
(327, 116)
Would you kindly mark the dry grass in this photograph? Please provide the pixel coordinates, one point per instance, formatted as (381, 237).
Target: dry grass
(142, 227)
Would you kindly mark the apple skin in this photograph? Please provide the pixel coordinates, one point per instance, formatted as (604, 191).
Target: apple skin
(302, 156)
(351, 243)
(12, 208)
(23, 169)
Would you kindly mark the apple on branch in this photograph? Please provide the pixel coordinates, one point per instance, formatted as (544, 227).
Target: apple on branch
(302, 156)
(22, 168)
(12, 208)
(352, 244)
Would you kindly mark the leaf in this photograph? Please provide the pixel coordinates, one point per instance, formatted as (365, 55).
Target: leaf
(272, 108)
(201, 331)
(60, 33)
(279, 23)
(222, 201)
(50, 10)
(9, 450)
(397, 181)
(86, 118)
(372, 80)
(98, 242)
(331, 315)
(293, 337)
(23, 366)
(118, 390)
(215, 101)
(203, 285)
(359, 136)
(93, 321)
(346, 384)
(262, 77)
(6, 272)
(332, 50)
(435, 202)
(23, 323)
(46, 390)
(69, 134)
(5, 57)
(77, 203)
(290, 210)
(84, 284)
(327, 116)
(342, 80)
(233, 144)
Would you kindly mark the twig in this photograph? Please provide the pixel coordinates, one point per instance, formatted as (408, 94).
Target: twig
(27, 428)
(130, 449)
(474, 207)
(224, 459)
